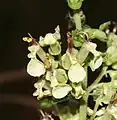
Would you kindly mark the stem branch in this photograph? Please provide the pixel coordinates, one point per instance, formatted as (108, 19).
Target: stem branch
(102, 73)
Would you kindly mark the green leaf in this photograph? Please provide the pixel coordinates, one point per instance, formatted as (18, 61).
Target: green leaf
(111, 55)
(75, 4)
(104, 25)
(112, 40)
(55, 49)
(103, 93)
(76, 73)
(113, 74)
(96, 33)
(35, 68)
(61, 91)
(114, 66)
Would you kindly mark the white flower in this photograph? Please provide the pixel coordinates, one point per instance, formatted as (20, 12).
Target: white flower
(76, 73)
(35, 68)
(60, 92)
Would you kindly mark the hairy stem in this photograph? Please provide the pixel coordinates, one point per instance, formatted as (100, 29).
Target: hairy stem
(95, 110)
(102, 73)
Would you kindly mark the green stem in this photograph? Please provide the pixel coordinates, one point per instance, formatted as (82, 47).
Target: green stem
(95, 108)
(102, 73)
(94, 111)
(83, 101)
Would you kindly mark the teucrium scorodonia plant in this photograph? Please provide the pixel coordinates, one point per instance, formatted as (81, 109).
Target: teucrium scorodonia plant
(63, 77)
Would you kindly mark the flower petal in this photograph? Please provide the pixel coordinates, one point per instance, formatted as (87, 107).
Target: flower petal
(35, 68)
(60, 92)
(76, 73)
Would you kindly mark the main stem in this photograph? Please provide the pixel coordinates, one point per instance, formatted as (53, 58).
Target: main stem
(83, 101)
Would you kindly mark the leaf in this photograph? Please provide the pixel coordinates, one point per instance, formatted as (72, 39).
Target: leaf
(113, 74)
(35, 68)
(112, 40)
(76, 73)
(61, 91)
(55, 49)
(104, 25)
(103, 93)
(111, 55)
(114, 66)
(98, 34)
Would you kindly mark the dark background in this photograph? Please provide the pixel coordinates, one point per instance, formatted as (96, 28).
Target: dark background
(17, 18)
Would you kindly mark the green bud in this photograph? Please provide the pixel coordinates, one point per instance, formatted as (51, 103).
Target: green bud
(75, 4)
(45, 103)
